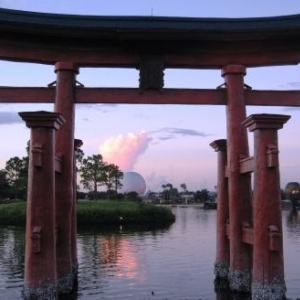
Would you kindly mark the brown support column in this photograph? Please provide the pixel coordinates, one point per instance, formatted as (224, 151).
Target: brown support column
(222, 255)
(40, 281)
(64, 104)
(239, 185)
(77, 144)
(268, 266)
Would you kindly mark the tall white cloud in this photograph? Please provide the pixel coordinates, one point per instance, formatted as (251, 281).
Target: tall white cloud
(124, 150)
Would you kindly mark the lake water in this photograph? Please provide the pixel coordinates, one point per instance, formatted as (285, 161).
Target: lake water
(127, 263)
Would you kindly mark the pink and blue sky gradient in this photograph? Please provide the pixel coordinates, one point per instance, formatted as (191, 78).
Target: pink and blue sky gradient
(164, 143)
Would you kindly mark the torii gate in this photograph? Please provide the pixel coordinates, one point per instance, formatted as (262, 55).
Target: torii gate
(150, 44)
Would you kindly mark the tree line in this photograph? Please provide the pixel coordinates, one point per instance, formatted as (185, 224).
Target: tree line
(170, 194)
(96, 173)
(93, 170)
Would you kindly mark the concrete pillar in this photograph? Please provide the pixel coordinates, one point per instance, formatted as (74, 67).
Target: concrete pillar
(64, 104)
(40, 281)
(268, 266)
(239, 186)
(222, 253)
(77, 144)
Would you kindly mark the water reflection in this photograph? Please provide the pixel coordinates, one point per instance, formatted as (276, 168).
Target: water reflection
(293, 220)
(144, 263)
(12, 246)
(116, 251)
(12, 250)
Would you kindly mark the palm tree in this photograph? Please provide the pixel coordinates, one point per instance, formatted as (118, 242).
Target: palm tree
(169, 188)
(164, 191)
(183, 186)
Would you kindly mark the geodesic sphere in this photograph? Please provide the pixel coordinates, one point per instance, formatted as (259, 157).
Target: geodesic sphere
(133, 182)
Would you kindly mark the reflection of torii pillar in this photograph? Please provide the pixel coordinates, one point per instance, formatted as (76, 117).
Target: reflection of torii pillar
(222, 255)
(239, 185)
(64, 104)
(40, 280)
(268, 266)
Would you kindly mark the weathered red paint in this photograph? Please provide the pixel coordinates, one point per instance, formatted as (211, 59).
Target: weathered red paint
(239, 185)
(268, 266)
(64, 194)
(40, 255)
(222, 246)
(246, 165)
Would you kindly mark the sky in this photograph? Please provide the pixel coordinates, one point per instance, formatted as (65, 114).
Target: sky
(164, 143)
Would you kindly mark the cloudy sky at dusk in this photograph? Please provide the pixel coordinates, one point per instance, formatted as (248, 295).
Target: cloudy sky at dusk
(164, 143)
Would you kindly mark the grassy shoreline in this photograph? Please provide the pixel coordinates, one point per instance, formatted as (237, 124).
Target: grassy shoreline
(98, 212)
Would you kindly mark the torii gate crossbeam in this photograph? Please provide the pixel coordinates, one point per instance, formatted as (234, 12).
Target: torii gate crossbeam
(137, 96)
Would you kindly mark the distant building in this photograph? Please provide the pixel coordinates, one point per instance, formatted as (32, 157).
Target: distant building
(187, 198)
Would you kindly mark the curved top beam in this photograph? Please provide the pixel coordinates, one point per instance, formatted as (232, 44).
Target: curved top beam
(121, 41)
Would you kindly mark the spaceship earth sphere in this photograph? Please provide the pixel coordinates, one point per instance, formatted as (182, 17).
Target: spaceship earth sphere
(133, 182)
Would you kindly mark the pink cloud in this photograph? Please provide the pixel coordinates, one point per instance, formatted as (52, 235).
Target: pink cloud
(124, 150)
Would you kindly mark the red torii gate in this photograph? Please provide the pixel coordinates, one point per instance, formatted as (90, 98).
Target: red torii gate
(150, 44)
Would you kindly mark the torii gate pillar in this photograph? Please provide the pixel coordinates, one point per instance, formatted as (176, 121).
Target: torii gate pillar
(268, 266)
(40, 280)
(64, 104)
(239, 185)
(223, 254)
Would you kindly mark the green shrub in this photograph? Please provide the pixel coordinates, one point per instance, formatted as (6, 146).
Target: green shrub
(122, 212)
(13, 213)
(98, 212)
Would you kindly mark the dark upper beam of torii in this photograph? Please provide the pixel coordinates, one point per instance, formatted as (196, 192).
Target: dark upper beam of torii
(119, 41)
(150, 44)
